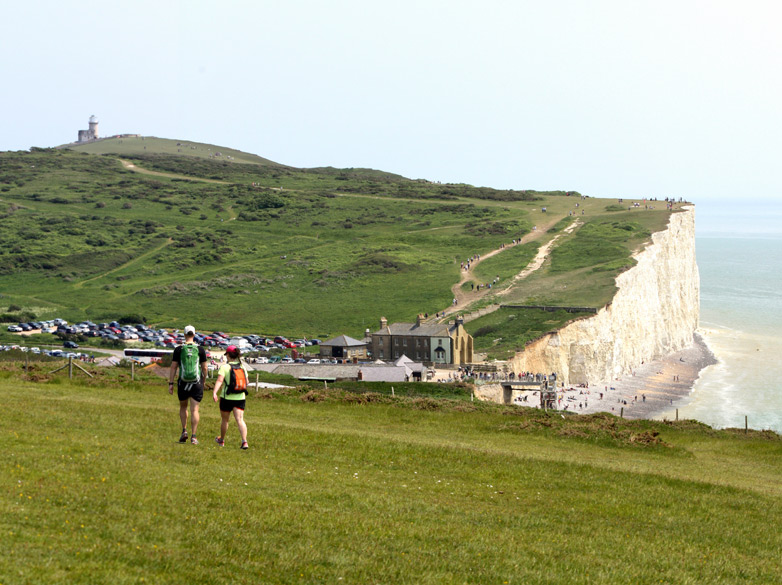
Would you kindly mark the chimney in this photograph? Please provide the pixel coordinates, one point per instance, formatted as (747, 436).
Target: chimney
(419, 318)
(459, 321)
(383, 322)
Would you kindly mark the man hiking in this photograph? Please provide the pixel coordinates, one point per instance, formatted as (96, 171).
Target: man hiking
(189, 360)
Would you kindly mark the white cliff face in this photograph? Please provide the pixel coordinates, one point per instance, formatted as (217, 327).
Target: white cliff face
(655, 312)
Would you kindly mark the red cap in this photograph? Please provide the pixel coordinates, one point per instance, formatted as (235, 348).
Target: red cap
(231, 348)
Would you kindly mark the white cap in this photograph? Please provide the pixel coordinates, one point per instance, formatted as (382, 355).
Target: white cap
(189, 330)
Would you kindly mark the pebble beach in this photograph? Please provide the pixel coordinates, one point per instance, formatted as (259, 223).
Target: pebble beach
(651, 389)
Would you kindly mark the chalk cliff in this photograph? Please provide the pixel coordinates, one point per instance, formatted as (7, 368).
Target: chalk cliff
(655, 312)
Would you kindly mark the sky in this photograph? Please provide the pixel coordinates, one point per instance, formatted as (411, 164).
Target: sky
(609, 98)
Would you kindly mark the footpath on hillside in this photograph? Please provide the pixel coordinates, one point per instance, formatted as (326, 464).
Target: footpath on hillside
(465, 299)
(136, 169)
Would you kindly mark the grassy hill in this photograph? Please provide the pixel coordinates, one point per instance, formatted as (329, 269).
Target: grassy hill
(249, 245)
(150, 144)
(346, 487)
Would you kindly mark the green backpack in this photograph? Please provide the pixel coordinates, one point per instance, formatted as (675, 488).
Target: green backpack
(189, 366)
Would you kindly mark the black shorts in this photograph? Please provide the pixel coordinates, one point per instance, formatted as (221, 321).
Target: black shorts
(194, 390)
(229, 405)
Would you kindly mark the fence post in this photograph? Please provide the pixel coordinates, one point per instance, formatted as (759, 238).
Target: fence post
(256, 381)
(392, 391)
(746, 428)
(677, 415)
(133, 371)
(70, 368)
(622, 412)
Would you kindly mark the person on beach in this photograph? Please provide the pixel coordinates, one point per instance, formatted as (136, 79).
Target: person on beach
(231, 390)
(188, 368)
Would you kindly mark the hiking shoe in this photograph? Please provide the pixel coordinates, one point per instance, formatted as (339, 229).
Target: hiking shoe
(245, 445)
(219, 441)
(193, 440)
(183, 436)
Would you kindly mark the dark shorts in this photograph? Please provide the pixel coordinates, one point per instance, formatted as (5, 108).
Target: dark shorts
(229, 405)
(194, 390)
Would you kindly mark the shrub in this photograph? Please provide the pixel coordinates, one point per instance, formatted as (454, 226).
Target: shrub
(131, 318)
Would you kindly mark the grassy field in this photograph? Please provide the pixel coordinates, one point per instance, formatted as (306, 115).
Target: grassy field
(361, 488)
(505, 331)
(272, 249)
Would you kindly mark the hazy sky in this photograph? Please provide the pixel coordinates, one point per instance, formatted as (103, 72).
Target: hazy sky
(610, 98)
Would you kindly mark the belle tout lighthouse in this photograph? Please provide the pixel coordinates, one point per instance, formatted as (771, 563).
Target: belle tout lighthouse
(92, 133)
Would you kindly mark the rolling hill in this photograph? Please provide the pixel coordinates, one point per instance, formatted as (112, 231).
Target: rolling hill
(126, 146)
(112, 228)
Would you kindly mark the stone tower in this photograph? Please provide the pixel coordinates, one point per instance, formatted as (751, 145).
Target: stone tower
(93, 127)
(92, 133)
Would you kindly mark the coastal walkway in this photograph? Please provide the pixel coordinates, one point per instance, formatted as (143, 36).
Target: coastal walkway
(465, 299)
(137, 169)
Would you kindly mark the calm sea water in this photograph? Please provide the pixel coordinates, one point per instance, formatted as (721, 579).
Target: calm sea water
(741, 320)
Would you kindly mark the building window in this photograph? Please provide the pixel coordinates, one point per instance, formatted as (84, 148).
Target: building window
(404, 342)
(381, 354)
(380, 341)
(396, 341)
(418, 343)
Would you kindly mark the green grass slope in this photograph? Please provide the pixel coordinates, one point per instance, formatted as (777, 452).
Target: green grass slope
(150, 144)
(351, 488)
(273, 249)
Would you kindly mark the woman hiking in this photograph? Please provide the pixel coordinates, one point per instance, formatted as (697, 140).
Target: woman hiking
(231, 389)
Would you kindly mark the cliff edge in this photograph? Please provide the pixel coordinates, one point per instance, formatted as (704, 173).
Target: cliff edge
(654, 313)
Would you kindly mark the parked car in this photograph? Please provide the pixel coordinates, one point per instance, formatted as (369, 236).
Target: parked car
(286, 360)
(70, 344)
(314, 361)
(15, 329)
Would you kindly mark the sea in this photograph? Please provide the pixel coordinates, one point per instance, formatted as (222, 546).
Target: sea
(739, 255)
